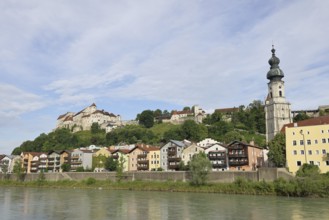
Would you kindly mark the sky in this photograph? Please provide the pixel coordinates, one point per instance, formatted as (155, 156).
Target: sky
(128, 56)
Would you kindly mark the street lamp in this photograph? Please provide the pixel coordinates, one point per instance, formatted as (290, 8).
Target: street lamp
(302, 133)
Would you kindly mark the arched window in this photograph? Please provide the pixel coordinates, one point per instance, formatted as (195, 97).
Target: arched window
(280, 93)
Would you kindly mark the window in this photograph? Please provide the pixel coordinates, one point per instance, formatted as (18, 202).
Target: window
(294, 143)
(293, 133)
(317, 152)
(301, 142)
(315, 141)
(302, 152)
(311, 162)
(280, 93)
(308, 142)
(295, 152)
(327, 162)
(318, 163)
(308, 132)
(323, 140)
(324, 151)
(309, 152)
(299, 163)
(157, 156)
(322, 131)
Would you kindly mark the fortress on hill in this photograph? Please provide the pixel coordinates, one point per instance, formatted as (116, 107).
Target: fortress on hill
(86, 117)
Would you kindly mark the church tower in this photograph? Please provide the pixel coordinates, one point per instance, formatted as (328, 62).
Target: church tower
(277, 109)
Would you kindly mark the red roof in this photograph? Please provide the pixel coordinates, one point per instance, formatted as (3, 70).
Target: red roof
(322, 120)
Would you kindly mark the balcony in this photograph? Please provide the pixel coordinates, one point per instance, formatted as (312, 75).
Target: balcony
(173, 166)
(237, 155)
(75, 157)
(236, 147)
(76, 162)
(174, 159)
(219, 165)
(238, 163)
(140, 156)
(216, 157)
(143, 162)
(142, 167)
(172, 153)
(50, 158)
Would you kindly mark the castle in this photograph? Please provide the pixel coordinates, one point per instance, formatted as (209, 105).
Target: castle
(86, 117)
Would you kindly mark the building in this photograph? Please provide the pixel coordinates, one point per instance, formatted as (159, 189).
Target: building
(207, 143)
(307, 141)
(53, 161)
(122, 156)
(170, 155)
(242, 156)
(189, 152)
(227, 113)
(217, 154)
(277, 109)
(7, 163)
(137, 159)
(86, 117)
(81, 158)
(154, 158)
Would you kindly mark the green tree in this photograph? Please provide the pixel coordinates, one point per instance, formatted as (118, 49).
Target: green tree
(232, 136)
(277, 150)
(19, 170)
(120, 168)
(200, 167)
(186, 108)
(110, 164)
(193, 131)
(66, 167)
(95, 128)
(147, 119)
(308, 170)
(300, 117)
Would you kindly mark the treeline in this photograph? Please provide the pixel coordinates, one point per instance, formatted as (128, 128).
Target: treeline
(247, 124)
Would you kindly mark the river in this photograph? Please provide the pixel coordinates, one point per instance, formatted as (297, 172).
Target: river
(36, 203)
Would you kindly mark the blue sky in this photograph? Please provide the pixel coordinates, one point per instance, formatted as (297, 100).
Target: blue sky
(128, 56)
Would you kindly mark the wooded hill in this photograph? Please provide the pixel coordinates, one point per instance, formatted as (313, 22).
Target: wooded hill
(248, 123)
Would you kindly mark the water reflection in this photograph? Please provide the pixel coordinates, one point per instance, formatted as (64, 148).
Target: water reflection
(28, 203)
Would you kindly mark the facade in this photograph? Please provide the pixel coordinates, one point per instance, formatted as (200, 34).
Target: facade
(242, 156)
(277, 109)
(227, 113)
(123, 156)
(189, 151)
(154, 158)
(86, 117)
(81, 158)
(170, 155)
(217, 154)
(137, 159)
(7, 163)
(53, 160)
(307, 141)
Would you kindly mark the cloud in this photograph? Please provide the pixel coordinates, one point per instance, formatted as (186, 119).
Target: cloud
(15, 101)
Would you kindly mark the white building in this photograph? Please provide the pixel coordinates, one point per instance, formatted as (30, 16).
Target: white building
(86, 117)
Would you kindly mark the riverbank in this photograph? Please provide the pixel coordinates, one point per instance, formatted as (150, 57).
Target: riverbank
(306, 187)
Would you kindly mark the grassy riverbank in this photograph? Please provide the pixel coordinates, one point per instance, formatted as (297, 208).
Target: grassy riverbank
(303, 187)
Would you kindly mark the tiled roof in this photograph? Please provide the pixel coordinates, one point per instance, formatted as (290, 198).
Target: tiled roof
(226, 110)
(308, 122)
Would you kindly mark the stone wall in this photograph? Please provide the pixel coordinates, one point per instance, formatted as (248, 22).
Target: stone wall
(267, 174)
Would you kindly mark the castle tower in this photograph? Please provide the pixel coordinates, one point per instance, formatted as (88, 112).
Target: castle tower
(277, 109)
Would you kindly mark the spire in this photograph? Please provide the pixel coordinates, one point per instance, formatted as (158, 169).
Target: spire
(275, 71)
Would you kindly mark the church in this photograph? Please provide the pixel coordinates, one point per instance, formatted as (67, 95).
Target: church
(277, 108)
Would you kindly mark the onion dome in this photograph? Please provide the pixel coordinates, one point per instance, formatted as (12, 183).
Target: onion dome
(275, 73)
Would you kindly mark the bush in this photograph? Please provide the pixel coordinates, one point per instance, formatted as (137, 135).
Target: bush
(308, 170)
(90, 181)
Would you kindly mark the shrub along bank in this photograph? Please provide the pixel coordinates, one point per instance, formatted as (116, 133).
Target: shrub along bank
(299, 187)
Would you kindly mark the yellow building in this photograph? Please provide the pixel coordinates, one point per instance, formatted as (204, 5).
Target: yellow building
(154, 158)
(307, 141)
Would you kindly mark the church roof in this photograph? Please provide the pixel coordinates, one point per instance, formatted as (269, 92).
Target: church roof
(275, 72)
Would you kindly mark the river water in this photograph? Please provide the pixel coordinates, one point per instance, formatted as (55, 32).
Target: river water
(30, 203)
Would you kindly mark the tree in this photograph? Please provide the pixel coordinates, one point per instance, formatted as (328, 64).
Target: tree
(300, 117)
(186, 108)
(66, 167)
(277, 150)
(232, 136)
(120, 168)
(193, 131)
(95, 128)
(308, 170)
(200, 167)
(18, 170)
(110, 164)
(147, 119)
